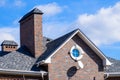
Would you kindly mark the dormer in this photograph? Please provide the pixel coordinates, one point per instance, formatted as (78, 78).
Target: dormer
(8, 46)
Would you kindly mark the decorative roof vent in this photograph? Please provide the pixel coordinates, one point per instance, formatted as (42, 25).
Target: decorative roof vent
(8, 46)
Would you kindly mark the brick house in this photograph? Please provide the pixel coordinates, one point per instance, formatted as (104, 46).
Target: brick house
(70, 57)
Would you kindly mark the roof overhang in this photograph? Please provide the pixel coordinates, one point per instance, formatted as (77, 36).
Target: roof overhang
(106, 62)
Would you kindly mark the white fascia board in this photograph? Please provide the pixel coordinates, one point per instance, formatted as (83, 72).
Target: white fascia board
(48, 60)
(113, 74)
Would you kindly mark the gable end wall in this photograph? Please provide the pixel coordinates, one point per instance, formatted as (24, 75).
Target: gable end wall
(63, 67)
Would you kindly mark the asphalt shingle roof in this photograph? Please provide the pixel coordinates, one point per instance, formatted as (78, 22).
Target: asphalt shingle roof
(20, 59)
(115, 67)
(54, 44)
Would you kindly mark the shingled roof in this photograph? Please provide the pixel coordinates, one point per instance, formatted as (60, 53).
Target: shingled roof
(54, 44)
(20, 59)
(17, 60)
(115, 67)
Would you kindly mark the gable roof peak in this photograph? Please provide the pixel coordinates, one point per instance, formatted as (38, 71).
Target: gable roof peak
(61, 41)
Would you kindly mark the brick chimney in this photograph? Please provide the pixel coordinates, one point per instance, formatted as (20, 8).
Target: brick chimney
(31, 32)
(8, 46)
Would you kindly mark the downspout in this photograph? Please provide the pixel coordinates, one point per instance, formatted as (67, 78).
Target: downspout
(106, 76)
(23, 77)
(42, 74)
(41, 63)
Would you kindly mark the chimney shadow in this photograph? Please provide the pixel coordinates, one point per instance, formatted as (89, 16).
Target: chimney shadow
(2, 53)
(35, 68)
(24, 50)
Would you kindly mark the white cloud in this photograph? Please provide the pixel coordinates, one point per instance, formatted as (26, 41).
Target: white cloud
(9, 33)
(50, 9)
(6, 36)
(102, 27)
(19, 3)
(2, 2)
(55, 29)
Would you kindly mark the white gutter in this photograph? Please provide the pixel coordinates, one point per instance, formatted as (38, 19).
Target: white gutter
(22, 72)
(113, 74)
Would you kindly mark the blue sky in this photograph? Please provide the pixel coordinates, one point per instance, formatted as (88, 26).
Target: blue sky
(98, 19)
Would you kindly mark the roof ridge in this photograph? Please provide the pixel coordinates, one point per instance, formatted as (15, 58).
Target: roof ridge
(71, 32)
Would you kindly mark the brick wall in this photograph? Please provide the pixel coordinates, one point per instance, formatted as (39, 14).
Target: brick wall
(31, 34)
(8, 48)
(63, 67)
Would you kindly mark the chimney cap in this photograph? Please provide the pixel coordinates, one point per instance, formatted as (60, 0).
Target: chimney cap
(9, 42)
(34, 11)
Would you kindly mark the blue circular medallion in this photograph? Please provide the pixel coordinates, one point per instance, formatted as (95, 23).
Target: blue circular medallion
(75, 53)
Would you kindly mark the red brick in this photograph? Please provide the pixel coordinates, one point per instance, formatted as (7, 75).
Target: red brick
(31, 34)
(59, 69)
